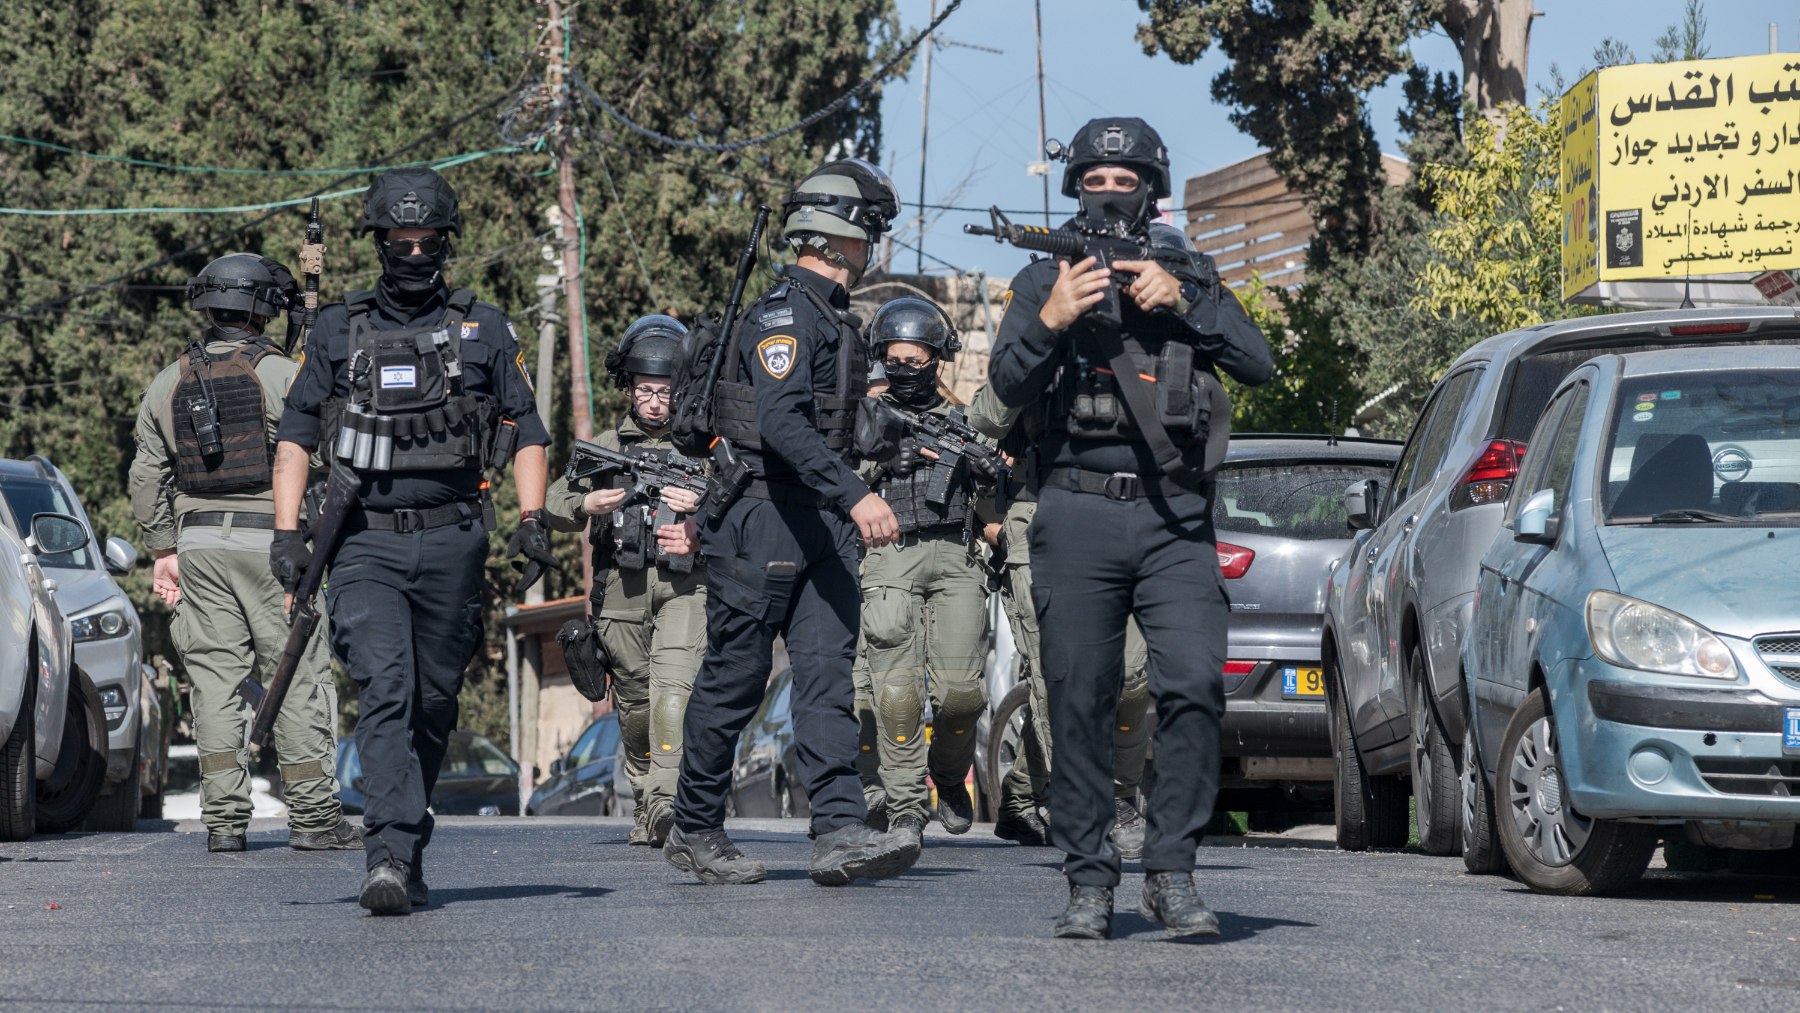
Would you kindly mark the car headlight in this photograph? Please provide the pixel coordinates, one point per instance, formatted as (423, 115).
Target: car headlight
(1636, 634)
(100, 625)
(112, 701)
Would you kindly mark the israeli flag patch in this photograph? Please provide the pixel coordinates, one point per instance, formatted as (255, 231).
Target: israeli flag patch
(399, 376)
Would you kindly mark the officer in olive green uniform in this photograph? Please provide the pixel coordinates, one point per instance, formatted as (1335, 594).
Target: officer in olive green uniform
(924, 613)
(1027, 785)
(650, 609)
(200, 491)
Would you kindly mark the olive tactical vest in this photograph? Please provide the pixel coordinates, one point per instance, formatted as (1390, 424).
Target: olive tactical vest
(221, 437)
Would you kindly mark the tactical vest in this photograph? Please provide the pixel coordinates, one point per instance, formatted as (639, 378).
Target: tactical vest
(221, 437)
(734, 406)
(905, 495)
(407, 408)
(1088, 404)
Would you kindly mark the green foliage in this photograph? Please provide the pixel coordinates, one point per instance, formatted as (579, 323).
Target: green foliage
(1313, 382)
(307, 85)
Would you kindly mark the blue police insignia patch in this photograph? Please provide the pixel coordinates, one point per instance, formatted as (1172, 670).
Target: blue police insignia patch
(777, 355)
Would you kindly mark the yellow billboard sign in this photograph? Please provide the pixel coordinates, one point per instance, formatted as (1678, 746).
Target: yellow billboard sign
(1692, 170)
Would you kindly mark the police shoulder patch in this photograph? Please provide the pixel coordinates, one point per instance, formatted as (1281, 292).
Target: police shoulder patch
(777, 355)
(519, 361)
(471, 330)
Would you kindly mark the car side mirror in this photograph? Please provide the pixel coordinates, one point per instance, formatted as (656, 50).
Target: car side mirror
(121, 556)
(1538, 521)
(53, 534)
(556, 766)
(1359, 504)
(537, 773)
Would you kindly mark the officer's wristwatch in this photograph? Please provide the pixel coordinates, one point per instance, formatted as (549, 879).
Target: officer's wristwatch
(1190, 294)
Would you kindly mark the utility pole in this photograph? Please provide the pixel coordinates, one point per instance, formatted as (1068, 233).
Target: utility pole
(580, 409)
(1037, 14)
(924, 135)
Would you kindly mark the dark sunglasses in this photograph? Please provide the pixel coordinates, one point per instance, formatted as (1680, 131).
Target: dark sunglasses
(430, 246)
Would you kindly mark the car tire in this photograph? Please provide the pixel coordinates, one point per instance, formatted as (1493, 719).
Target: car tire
(1372, 812)
(784, 799)
(1006, 737)
(65, 800)
(117, 813)
(1435, 789)
(1551, 847)
(18, 764)
(1480, 847)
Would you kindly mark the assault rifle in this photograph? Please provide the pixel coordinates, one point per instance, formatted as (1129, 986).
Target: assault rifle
(1073, 246)
(650, 471)
(327, 531)
(957, 445)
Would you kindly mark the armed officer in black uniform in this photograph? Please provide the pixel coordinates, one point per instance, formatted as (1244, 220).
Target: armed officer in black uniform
(782, 559)
(1132, 424)
(419, 387)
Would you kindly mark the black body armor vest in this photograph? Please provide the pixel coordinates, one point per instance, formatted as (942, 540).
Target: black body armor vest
(734, 405)
(221, 438)
(905, 495)
(407, 409)
(1089, 405)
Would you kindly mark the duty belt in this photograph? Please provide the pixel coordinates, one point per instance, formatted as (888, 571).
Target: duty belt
(217, 519)
(406, 521)
(1119, 485)
(783, 492)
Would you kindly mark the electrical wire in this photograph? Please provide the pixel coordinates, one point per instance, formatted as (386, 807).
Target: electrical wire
(220, 170)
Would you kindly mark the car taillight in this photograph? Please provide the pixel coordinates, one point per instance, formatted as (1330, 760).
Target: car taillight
(1239, 667)
(1490, 476)
(1688, 330)
(1234, 560)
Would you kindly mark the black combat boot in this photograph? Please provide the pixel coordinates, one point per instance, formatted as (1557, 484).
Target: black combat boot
(911, 826)
(876, 797)
(1089, 914)
(640, 825)
(1128, 828)
(711, 857)
(659, 818)
(954, 807)
(1024, 826)
(1170, 898)
(224, 842)
(384, 890)
(416, 890)
(854, 851)
(346, 836)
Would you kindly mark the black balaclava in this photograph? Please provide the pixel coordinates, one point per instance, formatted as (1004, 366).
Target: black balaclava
(914, 386)
(414, 278)
(1120, 212)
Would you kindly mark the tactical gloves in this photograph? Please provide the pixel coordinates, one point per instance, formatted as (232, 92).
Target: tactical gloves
(533, 542)
(288, 559)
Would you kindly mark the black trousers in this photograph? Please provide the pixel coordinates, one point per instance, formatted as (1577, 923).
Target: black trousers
(1093, 561)
(405, 620)
(788, 570)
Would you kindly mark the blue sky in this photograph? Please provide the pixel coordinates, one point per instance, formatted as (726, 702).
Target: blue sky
(984, 105)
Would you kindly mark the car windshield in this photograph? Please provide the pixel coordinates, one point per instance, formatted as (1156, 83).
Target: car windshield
(1716, 447)
(28, 497)
(474, 756)
(1288, 498)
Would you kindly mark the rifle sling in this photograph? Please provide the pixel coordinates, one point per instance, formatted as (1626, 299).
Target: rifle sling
(1140, 400)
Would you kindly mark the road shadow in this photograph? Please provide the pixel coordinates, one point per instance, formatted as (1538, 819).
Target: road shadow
(1232, 927)
(1705, 888)
(446, 896)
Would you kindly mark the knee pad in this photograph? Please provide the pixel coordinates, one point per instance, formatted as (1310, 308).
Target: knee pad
(665, 724)
(901, 710)
(957, 713)
(634, 727)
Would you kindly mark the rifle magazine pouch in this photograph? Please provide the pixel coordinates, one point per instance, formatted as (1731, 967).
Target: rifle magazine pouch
(407, 371)
(584, 657)
(1178, 396)
(505, 442)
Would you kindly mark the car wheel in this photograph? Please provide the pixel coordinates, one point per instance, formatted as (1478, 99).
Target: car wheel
(1434, 784)
(18, 765)
(68, 796)
(784, 800)
(117, 813)
(1371, 811)
(1553, 848)
(1006, 737)
(1480, 848)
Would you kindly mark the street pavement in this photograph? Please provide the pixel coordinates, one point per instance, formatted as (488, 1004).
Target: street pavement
(551, 913)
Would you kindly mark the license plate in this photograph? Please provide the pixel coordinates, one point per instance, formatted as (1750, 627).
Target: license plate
(1304, 683)
(1790, 731)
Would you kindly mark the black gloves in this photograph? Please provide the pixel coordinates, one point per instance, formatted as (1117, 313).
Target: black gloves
(288, 558)
(533, 542)
(908, 459)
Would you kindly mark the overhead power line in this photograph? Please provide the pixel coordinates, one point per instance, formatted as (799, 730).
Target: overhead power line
(750, 142)
(213, 169)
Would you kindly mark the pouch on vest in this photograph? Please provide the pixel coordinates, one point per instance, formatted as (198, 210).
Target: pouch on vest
(221, 435)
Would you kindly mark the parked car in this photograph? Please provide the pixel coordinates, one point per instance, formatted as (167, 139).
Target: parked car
(45, 710)
(765, 777)
(477, 778)
(107, 635)
(1399, 608)
(586, 780)
(1635, 659)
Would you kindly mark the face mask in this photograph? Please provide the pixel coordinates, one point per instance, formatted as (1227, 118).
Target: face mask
(414, 275)
(1115, 210)
(913, 386)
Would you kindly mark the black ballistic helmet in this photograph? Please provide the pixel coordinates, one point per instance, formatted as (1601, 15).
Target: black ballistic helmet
(846, 197)
(648, 348)
(911, 318)
(245, 283)
(410, 199)
(1115, 140)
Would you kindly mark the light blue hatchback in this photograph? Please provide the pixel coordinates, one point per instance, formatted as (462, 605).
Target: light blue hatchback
(1634, 658)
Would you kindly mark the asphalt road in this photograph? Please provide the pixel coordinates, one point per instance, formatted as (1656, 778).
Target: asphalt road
(560, 913)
